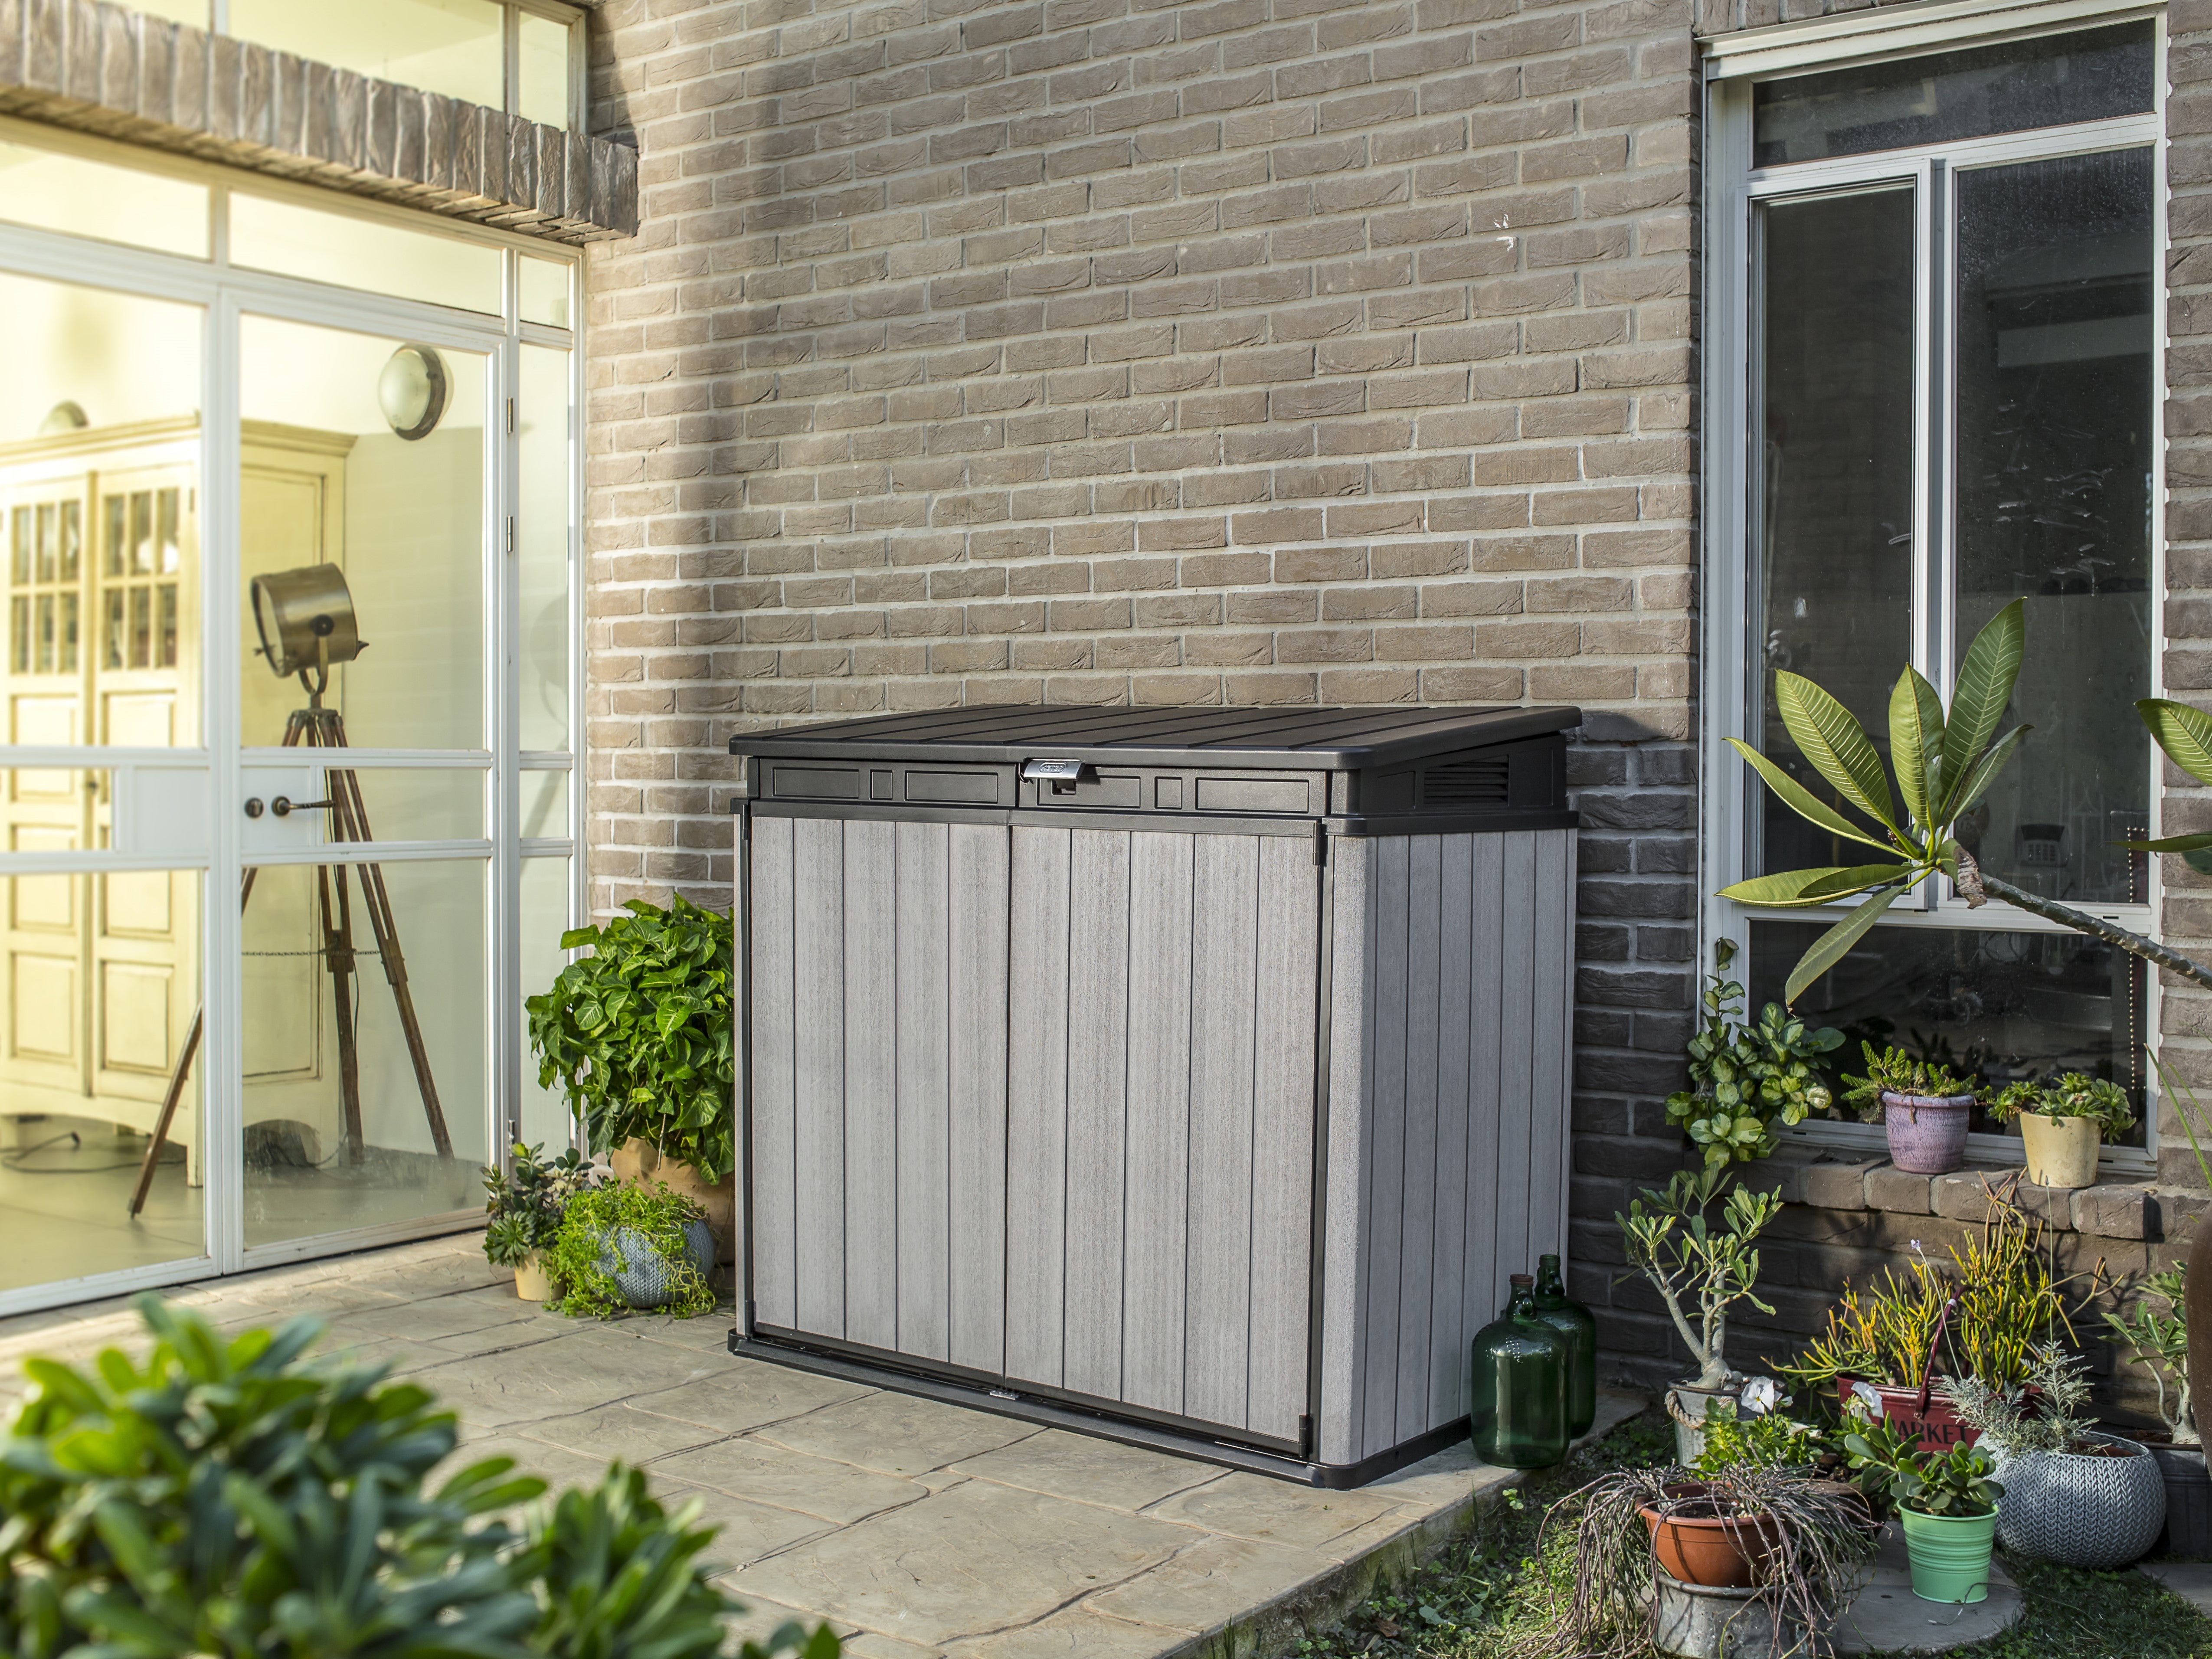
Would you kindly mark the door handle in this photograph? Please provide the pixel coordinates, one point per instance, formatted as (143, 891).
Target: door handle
(284, 806)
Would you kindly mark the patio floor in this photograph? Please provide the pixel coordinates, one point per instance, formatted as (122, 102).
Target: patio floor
(915, 1527)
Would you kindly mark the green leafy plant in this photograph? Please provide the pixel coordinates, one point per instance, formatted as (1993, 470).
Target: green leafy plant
(525, 1201)
(2070, 1094)
(237, 1498)
(1686, 1259)
(1737, 1439)
(1748, 1077)
(583, 1258)
(639, 1035)
(1945, 762)
(2159, 1341)
(1955, 1481)
(1893, 1071)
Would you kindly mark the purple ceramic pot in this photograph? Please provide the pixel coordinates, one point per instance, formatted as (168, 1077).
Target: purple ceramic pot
(1927, 1132)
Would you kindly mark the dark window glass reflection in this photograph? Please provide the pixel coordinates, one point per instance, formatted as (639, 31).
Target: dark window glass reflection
(1998, 1006)
(2059, 79)
(1835, 494)
(2056, 420)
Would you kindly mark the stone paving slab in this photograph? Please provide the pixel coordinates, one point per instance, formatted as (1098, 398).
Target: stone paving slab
(920, 1530)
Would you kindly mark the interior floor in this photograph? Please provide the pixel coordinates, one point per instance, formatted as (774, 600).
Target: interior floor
(65, 1187)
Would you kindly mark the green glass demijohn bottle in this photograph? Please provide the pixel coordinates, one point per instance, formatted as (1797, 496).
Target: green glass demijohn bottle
(1519, 1411)
(1576, 1323)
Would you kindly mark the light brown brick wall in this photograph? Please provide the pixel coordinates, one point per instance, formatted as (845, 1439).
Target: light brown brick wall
(1256, 351)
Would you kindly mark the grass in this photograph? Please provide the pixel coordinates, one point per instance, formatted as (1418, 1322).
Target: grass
(1466, 1603)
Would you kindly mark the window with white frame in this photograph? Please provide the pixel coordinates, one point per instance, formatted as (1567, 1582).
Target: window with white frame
(1935, 389)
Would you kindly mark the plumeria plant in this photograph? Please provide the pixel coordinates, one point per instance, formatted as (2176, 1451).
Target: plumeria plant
(1945, 761)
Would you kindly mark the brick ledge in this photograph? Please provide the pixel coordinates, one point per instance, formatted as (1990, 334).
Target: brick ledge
(1832, 1180)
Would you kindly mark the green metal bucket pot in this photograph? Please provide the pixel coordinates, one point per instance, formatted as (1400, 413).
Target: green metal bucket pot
(1950, 1555)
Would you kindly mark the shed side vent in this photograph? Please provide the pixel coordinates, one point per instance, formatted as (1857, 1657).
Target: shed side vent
(1462, 784)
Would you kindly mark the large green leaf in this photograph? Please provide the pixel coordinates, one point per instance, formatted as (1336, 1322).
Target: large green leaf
(2170, 844)
(1822, 886)
(1978, 698)
(1837, 744)
(2184, 732)
(1916, 742)
(1985, 771)
(1802, 800)
(1830, 948)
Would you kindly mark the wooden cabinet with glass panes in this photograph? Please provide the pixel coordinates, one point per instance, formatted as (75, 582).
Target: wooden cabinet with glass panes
(98, 973)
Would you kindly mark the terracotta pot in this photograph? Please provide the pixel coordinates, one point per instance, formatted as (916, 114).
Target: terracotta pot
(1938, 1428)
(1724, 1553)
(2062, 1152)
(530, 1281)
(1927, 1132)
(640, 1164)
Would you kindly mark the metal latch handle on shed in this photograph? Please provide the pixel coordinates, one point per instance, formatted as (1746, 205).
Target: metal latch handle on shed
(1062, 774)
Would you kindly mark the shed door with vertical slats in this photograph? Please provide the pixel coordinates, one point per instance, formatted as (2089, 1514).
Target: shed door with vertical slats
(880, 1085)
(1159, 1140)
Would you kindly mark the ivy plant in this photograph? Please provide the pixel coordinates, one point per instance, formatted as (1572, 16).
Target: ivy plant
(1747, 1076)
(639, 1034)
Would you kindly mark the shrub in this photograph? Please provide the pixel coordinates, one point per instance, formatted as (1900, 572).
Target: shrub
(639, 1034)
(584, 1250)
(237, 1498)
(526, 1201)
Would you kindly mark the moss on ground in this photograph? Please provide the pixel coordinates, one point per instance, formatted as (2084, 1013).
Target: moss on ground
(1466, 1602)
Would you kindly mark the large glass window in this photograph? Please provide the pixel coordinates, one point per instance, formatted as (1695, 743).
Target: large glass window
(286, 728)
(1951, 402)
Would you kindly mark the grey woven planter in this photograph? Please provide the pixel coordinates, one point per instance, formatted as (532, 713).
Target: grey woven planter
(645, 1279)
(2080, 1511)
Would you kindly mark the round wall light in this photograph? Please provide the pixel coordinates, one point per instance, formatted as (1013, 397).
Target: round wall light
(410, 390)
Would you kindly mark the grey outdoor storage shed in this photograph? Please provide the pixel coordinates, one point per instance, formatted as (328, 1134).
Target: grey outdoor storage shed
(1195, 1077)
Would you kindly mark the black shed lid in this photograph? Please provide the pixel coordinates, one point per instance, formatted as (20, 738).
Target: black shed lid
(1318, 738)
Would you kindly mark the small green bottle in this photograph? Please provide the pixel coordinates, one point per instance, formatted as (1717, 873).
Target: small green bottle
(1575, 1323)
(1519, 1411)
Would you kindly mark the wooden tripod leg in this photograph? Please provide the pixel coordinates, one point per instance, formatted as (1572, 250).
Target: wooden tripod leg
(352, 821)
(337, 953)
(176, 1090)
(169, 1101)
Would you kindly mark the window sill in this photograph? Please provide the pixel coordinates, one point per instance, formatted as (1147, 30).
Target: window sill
(1837, 1179)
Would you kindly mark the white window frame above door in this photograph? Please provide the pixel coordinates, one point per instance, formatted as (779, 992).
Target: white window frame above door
(1733, 64)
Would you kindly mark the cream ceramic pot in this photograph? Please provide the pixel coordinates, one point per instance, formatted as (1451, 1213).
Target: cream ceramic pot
(2062, 1152)
(529, 1280)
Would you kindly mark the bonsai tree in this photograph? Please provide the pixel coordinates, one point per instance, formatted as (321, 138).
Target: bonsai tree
(1695, 1265)
(1747, 1076)
(639, 1034)
(1945, 762)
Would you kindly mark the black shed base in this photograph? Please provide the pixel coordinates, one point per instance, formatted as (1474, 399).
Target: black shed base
(1180, 1442)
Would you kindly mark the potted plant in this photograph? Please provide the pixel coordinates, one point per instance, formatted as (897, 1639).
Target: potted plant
(638, 1035)
(1747, 1076)
(627, 1247)
(1922, 1108)
(2062, 1122)
(1686, 1259)
(525, 1202)
(2159, 1341)
(1981, 1313)
(1779, 1548)
(1946, 1504)
(2079, 1499)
